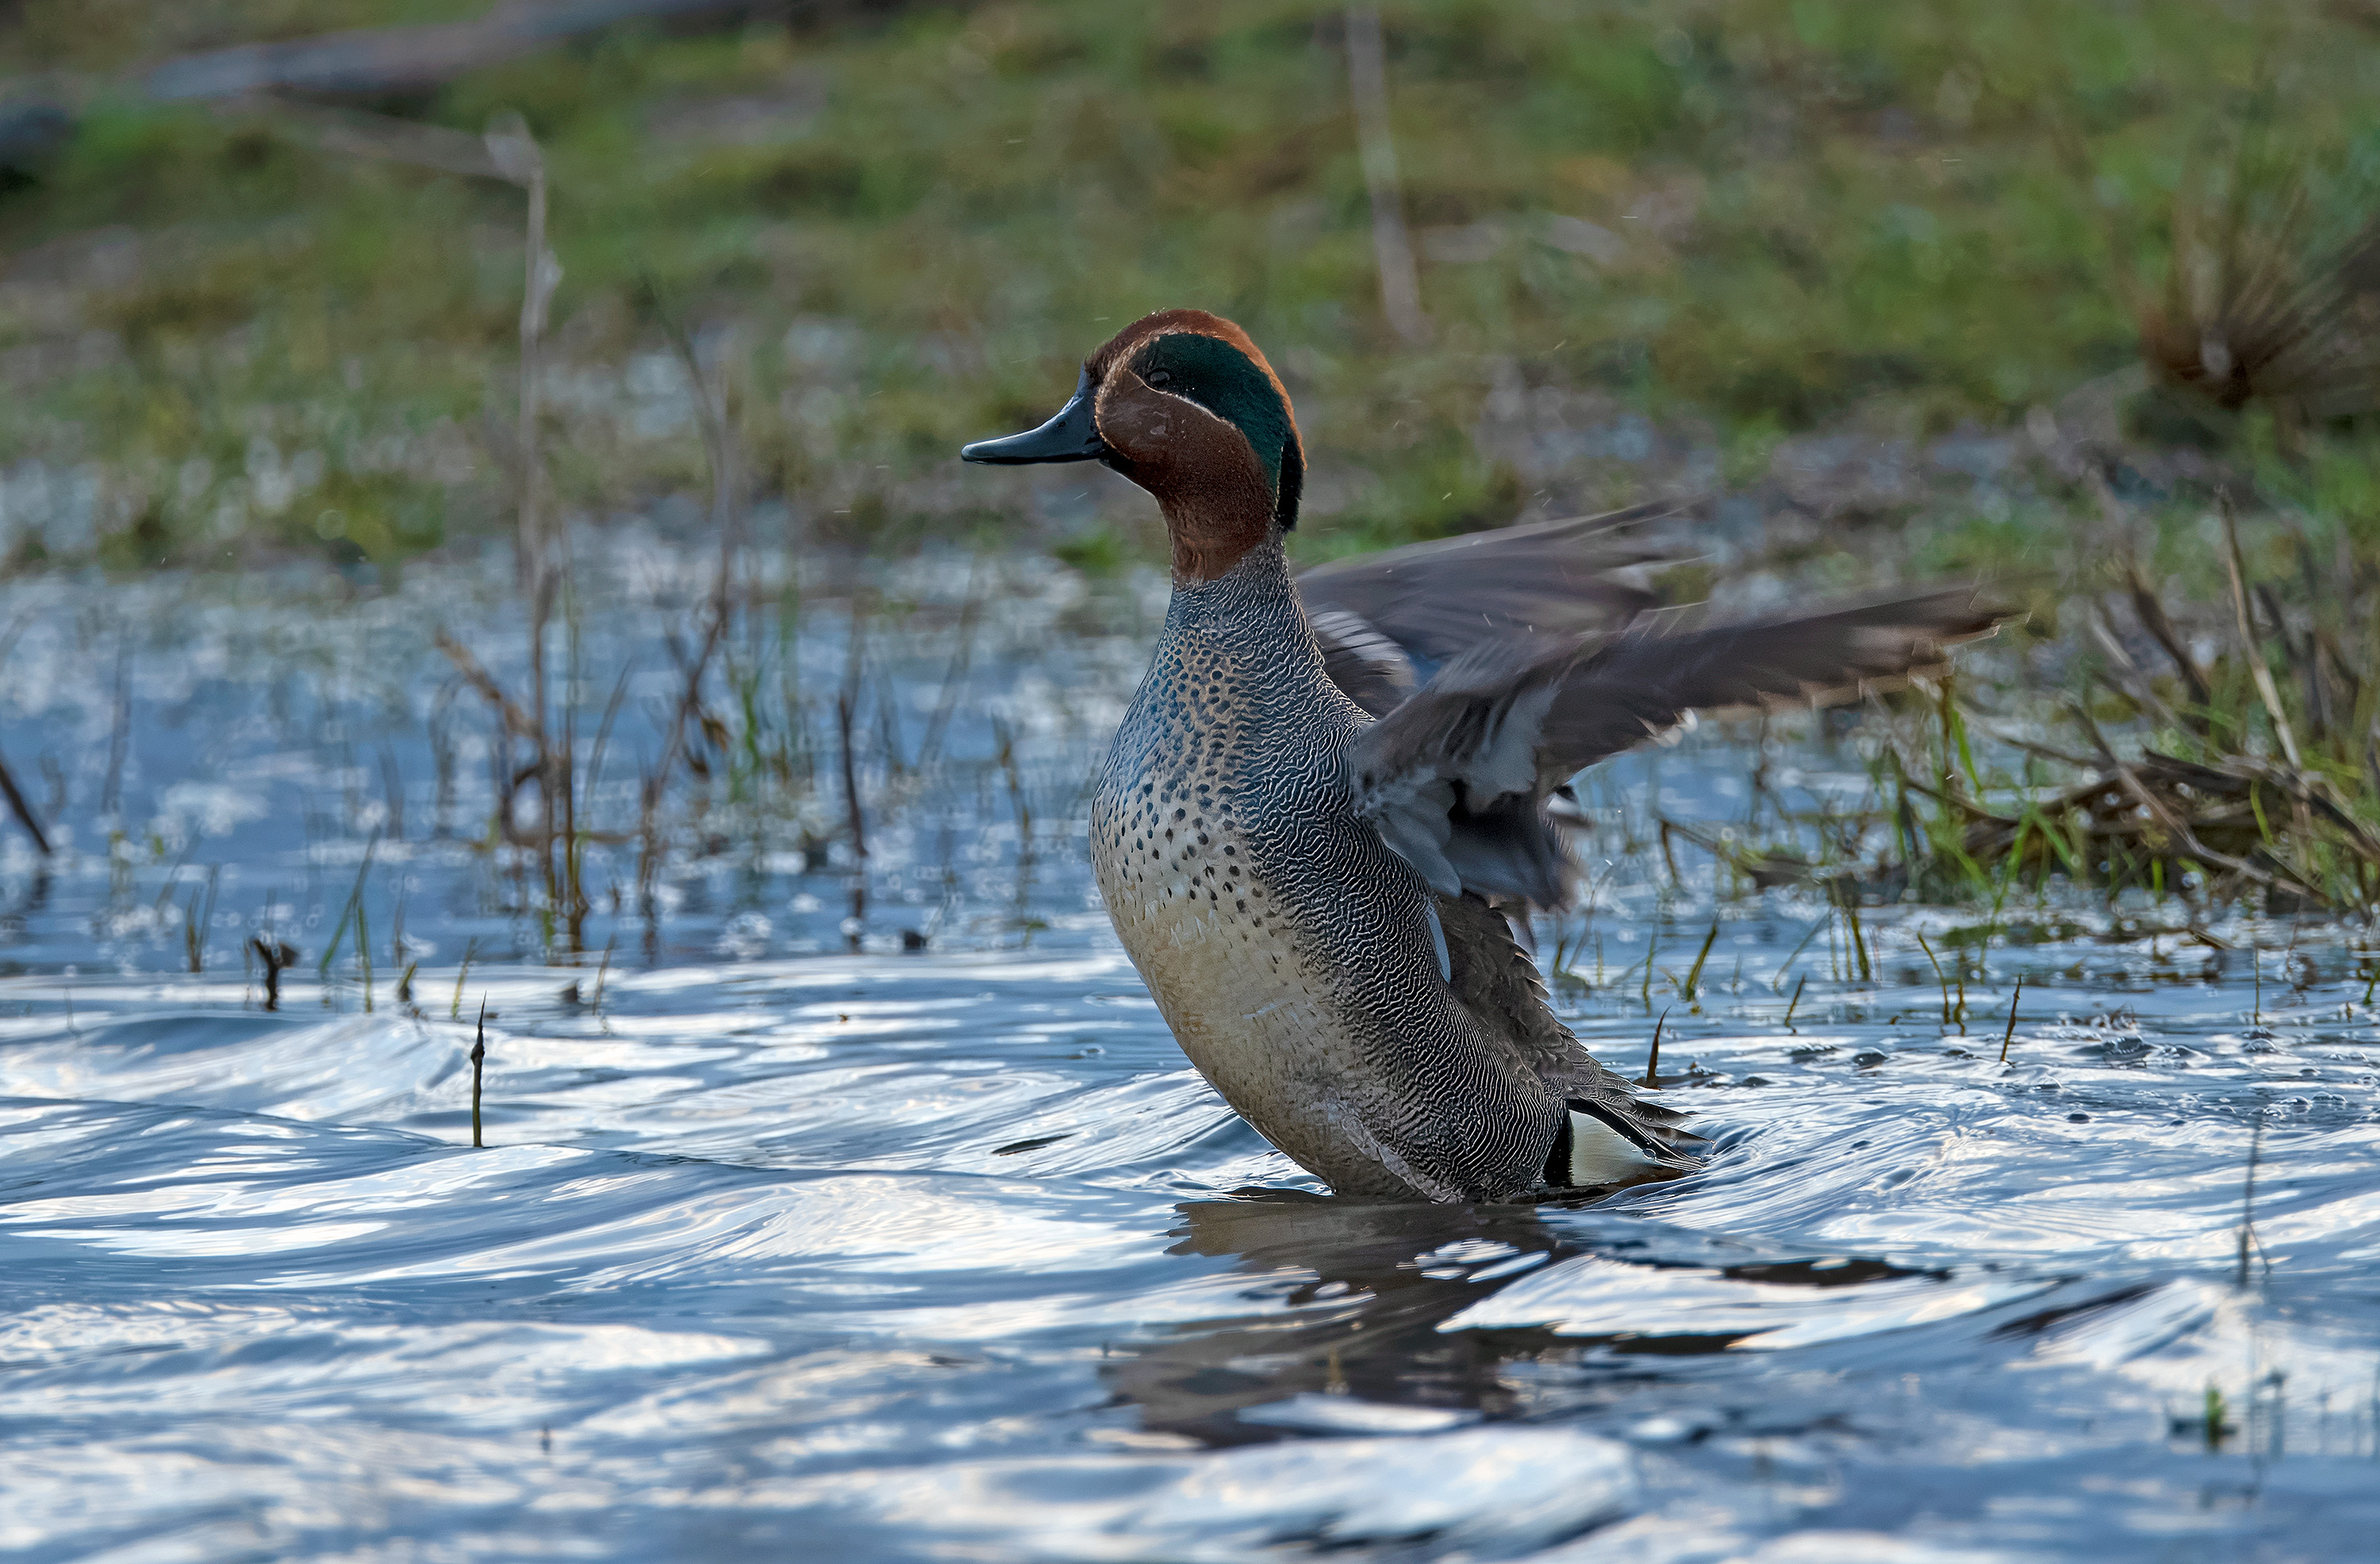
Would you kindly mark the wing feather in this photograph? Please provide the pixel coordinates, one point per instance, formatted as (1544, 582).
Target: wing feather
(1377, 613)
(1444, 775)
(1645, 682)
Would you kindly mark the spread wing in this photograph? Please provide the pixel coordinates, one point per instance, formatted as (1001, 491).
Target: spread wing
(1454, 776)
(1378, 617)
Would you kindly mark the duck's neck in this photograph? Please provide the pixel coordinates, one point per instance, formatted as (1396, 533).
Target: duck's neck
(1216, 525)
(1249, 614)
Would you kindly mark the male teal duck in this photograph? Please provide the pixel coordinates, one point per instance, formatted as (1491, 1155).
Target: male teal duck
(1304, 846)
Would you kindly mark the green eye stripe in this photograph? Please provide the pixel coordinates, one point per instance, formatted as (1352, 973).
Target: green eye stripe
(1220, 379)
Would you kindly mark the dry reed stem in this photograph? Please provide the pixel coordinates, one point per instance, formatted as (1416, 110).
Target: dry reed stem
(718, 443)
(1367, 82)
(2180, 831)
(2266, 690)
(2152, 618)
(478, 1063)
(277, 955)
(476, 674)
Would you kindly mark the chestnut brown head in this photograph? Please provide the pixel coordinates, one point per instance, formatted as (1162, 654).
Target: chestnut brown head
(1183, 404)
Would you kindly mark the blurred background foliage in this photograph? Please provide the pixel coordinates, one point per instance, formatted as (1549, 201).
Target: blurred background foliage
(1711, 249)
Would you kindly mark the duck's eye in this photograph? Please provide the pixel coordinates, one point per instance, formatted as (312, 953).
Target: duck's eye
(1161, 377)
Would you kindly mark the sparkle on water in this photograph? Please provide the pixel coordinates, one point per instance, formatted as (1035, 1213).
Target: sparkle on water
(790, 1237)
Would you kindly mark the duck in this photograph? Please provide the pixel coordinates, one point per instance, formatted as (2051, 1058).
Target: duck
(1330, 791)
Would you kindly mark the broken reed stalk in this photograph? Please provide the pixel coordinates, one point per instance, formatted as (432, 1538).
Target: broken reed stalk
(349, 915)
(478, 1061)
(508, 151)
(197, 920)
(2151, 611)
(2179, 830)
(1788, 964)
(573, 905)
(2009, 1036)
(856, 822)
(1859, 942)
(2266, 691)
(576, 846)
(392, 787)
(1653, 1055)
(1021, 806)
(275, 955)
(954, 676)
(1694, 978)
(1796, 1003)
(649, 802)
(119, 737)
(1943, 981)
(719, 454)
(22, 810)
(517, 157)
(1368, 82)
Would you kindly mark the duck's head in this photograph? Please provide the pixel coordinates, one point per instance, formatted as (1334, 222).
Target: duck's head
(1182, 402)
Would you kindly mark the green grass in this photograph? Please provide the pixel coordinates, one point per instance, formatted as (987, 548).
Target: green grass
(1804, 213)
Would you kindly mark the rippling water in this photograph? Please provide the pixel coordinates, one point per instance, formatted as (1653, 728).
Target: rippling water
(781, 1248)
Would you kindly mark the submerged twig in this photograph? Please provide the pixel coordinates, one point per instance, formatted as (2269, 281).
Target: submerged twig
(2009, 1036)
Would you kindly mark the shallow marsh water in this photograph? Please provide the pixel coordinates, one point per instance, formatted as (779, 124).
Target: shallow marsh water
(789, 1239)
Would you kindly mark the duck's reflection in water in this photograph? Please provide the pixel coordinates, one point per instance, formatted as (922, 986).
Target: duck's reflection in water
(1357, 1291)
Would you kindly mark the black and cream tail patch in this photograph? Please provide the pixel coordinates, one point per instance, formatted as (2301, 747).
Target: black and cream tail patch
(1597, 1146)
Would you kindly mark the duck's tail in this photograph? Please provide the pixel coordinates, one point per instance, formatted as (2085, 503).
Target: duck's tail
(1612, 1144)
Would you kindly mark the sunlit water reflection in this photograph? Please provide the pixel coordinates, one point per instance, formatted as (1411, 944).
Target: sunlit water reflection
(864, 1255)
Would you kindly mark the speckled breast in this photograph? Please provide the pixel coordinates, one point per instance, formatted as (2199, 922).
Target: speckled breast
(1184, 825)
(1286, 947)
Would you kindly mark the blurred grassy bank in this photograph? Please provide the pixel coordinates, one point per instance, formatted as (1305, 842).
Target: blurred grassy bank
(1847, 261)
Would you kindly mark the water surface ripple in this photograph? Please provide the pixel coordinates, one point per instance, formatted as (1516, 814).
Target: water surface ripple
(893, 1257)
(913, 1237)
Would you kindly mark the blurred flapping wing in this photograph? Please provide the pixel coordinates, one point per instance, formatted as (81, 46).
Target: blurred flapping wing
(1452, 776)
(1376, 615)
